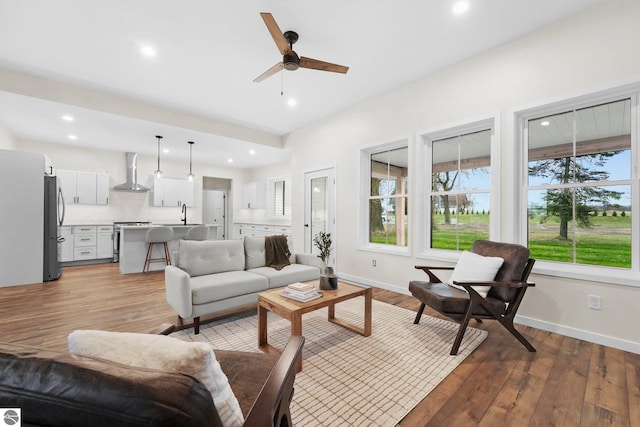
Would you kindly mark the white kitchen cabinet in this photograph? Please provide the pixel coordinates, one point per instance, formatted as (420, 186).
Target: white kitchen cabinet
(104, 242)
(65, 244)
(254, 195)
(259, 230)
(172, 192)
(80, 187)
(102, 188)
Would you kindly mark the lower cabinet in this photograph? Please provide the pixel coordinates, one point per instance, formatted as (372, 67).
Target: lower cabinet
(85, 242)
(259, 230)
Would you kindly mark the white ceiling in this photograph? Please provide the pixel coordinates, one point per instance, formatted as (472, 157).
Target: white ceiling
(209, 52)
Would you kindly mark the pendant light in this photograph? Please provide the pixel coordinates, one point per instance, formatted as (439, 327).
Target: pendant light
(158, 172)
(190, 176)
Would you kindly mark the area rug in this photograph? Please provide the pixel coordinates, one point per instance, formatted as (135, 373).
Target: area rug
(348, 379)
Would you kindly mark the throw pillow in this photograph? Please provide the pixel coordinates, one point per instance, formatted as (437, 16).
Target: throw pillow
(476, 268)
(165, 354)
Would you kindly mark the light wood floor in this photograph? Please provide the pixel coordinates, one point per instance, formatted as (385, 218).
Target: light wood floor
(568, 382)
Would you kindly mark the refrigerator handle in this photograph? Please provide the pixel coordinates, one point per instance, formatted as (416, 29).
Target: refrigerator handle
(61, 203)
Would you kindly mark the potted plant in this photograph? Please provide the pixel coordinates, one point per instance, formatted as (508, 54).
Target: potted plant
(323, 242)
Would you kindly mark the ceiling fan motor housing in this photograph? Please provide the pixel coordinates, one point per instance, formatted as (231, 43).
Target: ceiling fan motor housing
(291, 62)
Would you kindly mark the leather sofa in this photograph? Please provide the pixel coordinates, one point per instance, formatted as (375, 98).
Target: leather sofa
(59, 389)
(217, 276)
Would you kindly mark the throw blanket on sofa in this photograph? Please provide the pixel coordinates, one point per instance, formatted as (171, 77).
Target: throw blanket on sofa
(276, 251)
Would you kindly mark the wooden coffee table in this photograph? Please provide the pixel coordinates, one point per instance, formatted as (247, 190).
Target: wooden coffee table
(293, 311)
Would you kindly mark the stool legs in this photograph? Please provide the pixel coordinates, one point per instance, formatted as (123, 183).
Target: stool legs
(148, 260)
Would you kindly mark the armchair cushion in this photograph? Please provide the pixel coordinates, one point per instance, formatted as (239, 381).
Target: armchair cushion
(165, 354)
(472, 267)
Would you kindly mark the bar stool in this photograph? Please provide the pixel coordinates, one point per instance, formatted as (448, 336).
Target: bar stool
(199, 232)
(157, 235)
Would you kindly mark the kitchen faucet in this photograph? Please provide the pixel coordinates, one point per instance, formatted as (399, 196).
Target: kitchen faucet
(184, 213)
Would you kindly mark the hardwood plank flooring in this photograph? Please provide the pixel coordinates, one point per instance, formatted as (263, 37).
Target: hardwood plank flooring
(567, 382)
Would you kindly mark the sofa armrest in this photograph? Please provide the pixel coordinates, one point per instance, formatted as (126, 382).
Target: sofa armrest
(177, 286)
(311, 260)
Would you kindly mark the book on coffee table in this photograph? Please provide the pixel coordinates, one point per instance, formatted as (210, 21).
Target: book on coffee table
(305, 298)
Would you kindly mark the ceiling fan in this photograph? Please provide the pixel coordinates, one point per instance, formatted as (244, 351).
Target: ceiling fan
(290, 59)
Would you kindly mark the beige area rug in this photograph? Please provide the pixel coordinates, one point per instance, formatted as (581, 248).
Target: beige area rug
(348, 379)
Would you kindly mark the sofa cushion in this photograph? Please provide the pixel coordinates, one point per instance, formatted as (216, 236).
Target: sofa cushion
(166, 354)
(216, 287)
(210, 256)
(289, 274)
(55, 388)
(254, 252)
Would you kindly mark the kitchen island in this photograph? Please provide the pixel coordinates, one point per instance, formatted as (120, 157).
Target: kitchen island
(133, 248)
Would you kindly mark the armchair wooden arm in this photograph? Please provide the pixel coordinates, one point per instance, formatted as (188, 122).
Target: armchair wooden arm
(432, 277)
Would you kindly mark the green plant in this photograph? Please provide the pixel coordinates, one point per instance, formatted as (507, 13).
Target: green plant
(323, 242)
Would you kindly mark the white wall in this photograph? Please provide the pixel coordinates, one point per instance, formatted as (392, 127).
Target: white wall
(591, 51)
(127, 206)
(7, 141)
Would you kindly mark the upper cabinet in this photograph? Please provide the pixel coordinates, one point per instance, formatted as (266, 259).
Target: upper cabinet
(80, 187)
(254, 195)
(172, 192)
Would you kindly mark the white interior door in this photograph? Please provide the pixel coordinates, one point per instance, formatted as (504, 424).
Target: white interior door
(319, 209)
(214, 210)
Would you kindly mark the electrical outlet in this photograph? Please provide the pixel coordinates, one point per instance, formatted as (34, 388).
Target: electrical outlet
(595, 302)
(373, 263)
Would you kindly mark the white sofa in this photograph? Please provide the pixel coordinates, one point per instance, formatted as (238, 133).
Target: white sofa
(215, 276)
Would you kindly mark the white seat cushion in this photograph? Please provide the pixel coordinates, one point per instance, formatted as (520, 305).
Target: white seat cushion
(289, 274)
(216, 287)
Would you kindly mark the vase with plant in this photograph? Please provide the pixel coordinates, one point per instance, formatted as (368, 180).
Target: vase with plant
(323, 242)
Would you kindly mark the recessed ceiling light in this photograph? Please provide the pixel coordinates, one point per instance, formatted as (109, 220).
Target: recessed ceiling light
(545, 123)
(67, 118)
(292, 102)
(229, 160)
(73, 137)
(252, 152)
(148, 51)
(460, 7)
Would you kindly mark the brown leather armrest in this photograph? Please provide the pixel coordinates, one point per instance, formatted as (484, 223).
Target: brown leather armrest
(432, 277)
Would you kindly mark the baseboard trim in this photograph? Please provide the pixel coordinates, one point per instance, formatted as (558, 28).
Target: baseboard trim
(620, 344)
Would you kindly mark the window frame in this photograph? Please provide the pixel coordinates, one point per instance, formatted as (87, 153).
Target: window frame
(271, 196)
(365, 194)
(424, 184)
(614, 275)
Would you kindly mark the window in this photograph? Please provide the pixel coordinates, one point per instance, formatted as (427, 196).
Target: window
(579, 184)
(280, 196)
(387, 200)
(457, 184)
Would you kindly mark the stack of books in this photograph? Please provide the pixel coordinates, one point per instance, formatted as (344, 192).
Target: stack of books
(301, 292)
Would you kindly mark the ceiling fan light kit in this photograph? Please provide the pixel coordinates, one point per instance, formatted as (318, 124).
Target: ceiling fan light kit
(290, 59)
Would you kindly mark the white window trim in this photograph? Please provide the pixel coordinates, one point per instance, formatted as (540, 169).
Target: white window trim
(271, 195)
(613, 275)
(365, 190)
(422, 190)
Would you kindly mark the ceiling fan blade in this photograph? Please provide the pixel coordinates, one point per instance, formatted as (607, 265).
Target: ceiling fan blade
(322, 65)
(270, 72)
(276, 33)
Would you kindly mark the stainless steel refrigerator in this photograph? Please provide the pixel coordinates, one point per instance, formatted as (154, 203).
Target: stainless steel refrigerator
(52, 198)
(28, 219)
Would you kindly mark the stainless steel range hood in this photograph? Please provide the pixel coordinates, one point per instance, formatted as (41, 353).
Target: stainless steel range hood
(132, 176)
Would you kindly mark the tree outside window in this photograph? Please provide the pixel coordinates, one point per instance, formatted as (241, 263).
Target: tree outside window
(579, 168)
(388, 201)
(460, 189)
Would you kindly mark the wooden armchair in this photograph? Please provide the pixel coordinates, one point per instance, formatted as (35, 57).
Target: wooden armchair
(502, 300)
